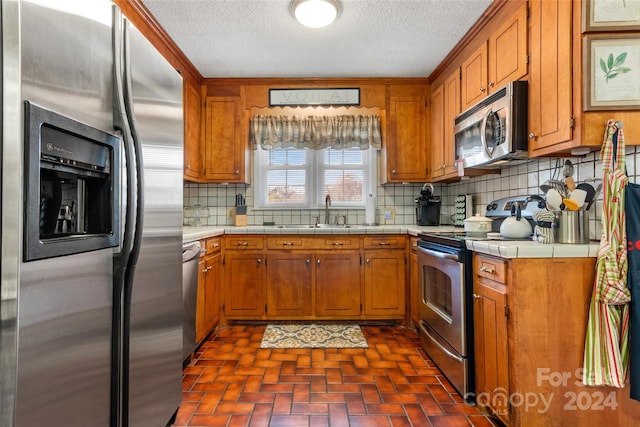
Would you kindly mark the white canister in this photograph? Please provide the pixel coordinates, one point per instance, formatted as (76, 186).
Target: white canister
(477, 225)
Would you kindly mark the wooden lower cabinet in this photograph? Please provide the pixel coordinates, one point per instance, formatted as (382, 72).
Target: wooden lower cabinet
(201, 330)
(299, 277)
(414, 283)
(289, 284)
(338, 285)
(213, 292)
(244, 283)
(384, 283)
(491, 347)
(530, 324)
(209, 293)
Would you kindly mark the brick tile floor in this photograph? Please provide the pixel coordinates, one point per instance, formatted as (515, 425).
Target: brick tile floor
(232, 382)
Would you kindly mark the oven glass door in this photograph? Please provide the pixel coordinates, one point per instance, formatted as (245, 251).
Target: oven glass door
(442, 304)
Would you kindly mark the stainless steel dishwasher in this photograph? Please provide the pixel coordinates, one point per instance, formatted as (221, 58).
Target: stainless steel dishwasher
(190, 257)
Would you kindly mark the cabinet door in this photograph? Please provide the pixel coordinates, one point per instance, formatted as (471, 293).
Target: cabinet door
(192, 170)
(201, 327)
(437, 133)
(225, 148)
(243, 285)
(406, 151)
(508, 51)
(289, 285)
(550, 82)
(474, 77)
(491, 348)
(338, 285)
(451, 110)
(384, 283)
(414, 287)
(213, 293)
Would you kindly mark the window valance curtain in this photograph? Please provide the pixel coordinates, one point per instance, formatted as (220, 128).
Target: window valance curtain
(316, 132)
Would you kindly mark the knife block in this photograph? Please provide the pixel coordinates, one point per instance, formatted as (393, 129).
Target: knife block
(240, 216)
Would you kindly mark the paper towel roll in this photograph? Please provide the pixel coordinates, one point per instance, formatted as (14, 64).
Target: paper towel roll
(370, 213)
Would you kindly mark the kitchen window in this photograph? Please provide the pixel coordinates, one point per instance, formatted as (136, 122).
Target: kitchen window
(297, 178)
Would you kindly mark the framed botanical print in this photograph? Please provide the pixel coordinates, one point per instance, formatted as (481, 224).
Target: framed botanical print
(610, 15)
(611, 72)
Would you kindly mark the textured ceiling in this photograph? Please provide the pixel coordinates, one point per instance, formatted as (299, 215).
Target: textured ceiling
(370, 38)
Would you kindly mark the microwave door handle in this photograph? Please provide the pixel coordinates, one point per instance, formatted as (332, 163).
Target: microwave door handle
(483, 132)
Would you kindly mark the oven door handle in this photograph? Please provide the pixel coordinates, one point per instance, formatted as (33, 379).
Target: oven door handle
(440, 254)
(440, 346)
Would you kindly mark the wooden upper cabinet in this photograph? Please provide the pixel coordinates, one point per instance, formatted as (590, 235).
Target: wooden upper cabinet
(451, 110)
(508, 51)
(550, 81)
(474, 77)
(437, 132)
(501, 59)
(192, 117)
(405, 150)
(225, 145)
(445, 106)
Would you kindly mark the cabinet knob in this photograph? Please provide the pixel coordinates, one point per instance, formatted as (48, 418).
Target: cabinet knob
(259, 260)
(393, 171)
(237, 172)
(533, 136)
(188, 166)
(204, 270)
(368, 261)
(482, 90)
(243, 243)
(491, 84)
(338, 243)
(476, 296)
(287, 243)
(487, 270)
(318, 262)
(308, 261)
(384, 243)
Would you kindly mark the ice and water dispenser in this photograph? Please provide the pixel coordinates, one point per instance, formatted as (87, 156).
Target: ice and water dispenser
(72, 179)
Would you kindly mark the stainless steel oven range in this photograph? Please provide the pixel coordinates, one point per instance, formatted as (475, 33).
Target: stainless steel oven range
(446, 307)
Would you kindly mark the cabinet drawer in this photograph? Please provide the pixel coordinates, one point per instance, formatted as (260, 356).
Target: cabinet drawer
(342, 242)
(384, 242)
(490, 268)
(287, 242)
(213, 245)
(243, 242)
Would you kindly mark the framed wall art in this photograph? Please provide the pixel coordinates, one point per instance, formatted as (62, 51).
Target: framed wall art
(611, 72)
(610, 15)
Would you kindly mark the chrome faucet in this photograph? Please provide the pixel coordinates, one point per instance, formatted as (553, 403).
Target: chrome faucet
(327, 203)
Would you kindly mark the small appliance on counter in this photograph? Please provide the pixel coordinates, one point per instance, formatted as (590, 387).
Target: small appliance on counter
(463, 209)
(499, 210)
(427, 206)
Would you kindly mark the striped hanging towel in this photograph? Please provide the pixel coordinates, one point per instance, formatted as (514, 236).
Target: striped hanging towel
(606, 353)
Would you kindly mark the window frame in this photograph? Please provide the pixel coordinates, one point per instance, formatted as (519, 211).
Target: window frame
(314, 165)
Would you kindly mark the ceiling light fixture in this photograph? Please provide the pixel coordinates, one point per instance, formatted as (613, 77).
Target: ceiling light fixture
(315, 13)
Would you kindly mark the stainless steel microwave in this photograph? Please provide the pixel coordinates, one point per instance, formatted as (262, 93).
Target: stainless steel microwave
(494, 131)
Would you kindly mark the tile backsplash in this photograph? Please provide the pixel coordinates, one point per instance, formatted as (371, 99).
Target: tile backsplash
(397, 200)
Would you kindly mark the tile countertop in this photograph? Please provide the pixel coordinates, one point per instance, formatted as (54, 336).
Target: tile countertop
(190, 233)
(501, 248)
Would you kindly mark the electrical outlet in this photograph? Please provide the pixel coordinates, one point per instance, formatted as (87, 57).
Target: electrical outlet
(389, 214)
(230, 213)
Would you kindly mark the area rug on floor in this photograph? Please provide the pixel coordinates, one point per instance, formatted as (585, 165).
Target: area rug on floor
(313, 336)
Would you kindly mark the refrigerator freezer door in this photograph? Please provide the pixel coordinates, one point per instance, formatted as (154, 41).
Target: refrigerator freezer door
(65, 303)
(155, 369)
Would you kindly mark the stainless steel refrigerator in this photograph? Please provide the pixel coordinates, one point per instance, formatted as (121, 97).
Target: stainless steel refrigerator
(92, 146)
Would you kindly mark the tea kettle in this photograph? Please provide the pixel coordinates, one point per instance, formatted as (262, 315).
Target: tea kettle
(515, 227)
